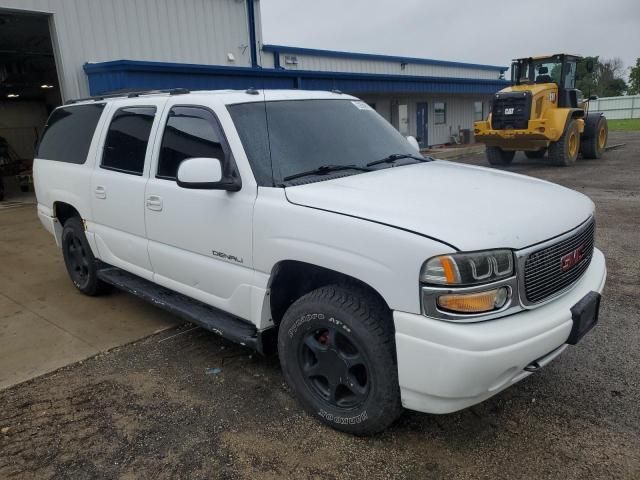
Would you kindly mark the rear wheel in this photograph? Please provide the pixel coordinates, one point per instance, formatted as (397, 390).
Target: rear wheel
(536, 153)
(564, 152)
(79, 260)
(498, 156)
(594, 146)
(337, 350)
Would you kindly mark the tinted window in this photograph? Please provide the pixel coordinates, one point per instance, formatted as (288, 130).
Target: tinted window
(190, 132)
(126, 144)
(68, 133)
(250, 120)
(306, 134)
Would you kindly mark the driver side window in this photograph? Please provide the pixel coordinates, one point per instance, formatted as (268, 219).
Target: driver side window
(190, 132)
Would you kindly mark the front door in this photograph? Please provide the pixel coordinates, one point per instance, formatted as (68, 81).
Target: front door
(422, 132)
(200, 241)
(118, 184)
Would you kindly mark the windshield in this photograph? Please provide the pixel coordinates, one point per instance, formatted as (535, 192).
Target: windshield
(546, 70)
(304, 135)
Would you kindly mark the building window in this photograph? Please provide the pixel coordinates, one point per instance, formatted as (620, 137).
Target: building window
(125, 147)
(440, 113)
(190, 132)
(478, 111)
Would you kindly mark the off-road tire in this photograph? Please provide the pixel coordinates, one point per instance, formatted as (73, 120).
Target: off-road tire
(79, 260)
(594, 146)
(564, 152)
(497, 156)
(536, 153)
(360, 323)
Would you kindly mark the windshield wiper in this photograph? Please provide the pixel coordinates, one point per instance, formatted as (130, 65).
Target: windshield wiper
(324, 169)
(398, 156)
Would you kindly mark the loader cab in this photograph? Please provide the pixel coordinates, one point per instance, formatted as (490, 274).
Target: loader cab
(559, 69)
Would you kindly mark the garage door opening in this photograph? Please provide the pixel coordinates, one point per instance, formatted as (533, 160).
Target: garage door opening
(29, 91)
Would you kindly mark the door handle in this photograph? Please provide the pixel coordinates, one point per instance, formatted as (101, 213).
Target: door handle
(100, 192)
(154, 202)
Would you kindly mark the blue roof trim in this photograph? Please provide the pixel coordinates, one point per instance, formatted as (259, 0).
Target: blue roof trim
(121, 74)
(373, 56)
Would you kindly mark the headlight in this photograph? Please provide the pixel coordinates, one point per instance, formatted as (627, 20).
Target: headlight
(467, 268)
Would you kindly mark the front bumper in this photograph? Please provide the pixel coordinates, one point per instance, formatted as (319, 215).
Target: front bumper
(536, 136)
(444, 366)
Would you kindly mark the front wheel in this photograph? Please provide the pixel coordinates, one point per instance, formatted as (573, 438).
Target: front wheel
(498, 156)
(337, 351)
(564, 152)
(79, 260)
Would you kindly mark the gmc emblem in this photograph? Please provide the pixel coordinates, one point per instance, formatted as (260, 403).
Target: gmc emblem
(571, 259)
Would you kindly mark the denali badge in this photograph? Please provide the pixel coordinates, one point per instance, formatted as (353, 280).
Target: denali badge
(571, 259)
(509, 111)
(227, 257)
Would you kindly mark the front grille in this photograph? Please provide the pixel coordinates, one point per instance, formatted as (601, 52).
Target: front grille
(511, 111)
(543, 269)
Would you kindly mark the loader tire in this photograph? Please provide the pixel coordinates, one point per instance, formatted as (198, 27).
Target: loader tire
(497, 156)
(564, 152)
(593, 147)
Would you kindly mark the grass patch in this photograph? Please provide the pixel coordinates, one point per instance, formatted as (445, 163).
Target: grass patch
(627, 125)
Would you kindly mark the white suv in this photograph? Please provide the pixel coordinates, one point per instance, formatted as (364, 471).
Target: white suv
(303, 222)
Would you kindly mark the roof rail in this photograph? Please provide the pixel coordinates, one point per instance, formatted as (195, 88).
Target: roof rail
(129, 94)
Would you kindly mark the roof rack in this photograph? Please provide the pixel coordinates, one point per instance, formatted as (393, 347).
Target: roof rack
(129, 94)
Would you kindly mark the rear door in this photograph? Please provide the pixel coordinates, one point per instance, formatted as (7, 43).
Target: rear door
(118, 185)
(200, 241)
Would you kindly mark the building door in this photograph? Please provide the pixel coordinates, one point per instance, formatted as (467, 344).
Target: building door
(422, 131)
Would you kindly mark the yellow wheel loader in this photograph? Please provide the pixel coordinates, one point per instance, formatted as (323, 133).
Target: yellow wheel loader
(542, 112)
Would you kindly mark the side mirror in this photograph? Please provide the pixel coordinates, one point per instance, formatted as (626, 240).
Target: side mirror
(204, 174)
(589, 66)
(413, 142)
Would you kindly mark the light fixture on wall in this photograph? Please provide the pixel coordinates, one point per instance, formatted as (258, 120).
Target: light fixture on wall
(46, 86)
(13, 95)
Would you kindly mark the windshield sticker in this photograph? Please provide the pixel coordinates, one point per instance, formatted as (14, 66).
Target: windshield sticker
(361, 105)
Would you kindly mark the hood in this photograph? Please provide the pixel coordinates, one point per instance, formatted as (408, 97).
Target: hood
(470, 208)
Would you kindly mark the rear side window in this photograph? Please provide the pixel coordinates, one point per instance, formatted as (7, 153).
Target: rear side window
(125, 147)
(68, 133)
(190, 132)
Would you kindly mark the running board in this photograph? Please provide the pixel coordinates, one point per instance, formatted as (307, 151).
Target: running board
(203, 315)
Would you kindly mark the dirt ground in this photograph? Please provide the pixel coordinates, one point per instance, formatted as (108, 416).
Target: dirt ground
(158, 409)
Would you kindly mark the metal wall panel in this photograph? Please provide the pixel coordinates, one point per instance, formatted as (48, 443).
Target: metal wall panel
(617, 107)
(185, 31)
(328, 64)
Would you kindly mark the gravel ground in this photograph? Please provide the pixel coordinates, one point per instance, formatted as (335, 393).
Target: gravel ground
(158, 409)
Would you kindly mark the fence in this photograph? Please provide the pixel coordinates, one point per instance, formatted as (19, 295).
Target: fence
(617, 107)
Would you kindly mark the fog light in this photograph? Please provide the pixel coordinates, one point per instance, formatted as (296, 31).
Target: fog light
(475, 302)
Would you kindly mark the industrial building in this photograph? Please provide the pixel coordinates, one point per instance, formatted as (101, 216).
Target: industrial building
(55, 50)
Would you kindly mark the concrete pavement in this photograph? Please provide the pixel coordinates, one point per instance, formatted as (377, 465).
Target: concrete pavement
(45, 323)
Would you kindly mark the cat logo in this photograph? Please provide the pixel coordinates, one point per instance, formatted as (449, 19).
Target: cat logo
(509, 111)
(552, 97)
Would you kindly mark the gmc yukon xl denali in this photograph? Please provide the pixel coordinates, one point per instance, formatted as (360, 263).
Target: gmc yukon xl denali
(304, 223)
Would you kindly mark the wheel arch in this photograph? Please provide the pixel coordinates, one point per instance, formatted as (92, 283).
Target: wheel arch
(63, 211)
(291, 279)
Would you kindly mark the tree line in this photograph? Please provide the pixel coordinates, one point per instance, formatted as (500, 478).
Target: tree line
(607, 78)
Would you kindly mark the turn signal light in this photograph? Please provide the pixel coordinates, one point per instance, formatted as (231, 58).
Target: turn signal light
(474, 302)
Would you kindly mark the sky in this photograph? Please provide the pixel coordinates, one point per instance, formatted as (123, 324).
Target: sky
(489, 31)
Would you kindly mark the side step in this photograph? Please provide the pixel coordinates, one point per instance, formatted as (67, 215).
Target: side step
(205, 316)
